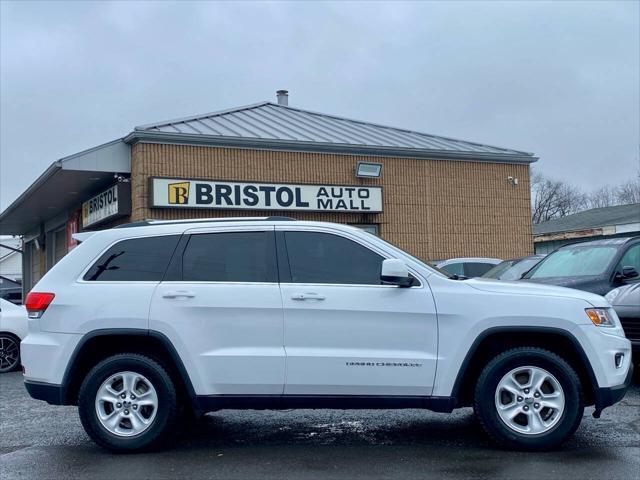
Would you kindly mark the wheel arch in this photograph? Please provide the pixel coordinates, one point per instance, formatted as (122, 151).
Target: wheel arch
(495, 340)
(99, 344)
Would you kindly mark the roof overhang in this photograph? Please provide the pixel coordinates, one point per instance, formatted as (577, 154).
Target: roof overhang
(603, 231)
(334, 148)
(64, 185)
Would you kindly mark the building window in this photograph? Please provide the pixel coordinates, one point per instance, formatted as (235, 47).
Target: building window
(373, 228)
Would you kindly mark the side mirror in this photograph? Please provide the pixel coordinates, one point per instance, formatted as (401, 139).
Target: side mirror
(628, 272)
(395, 272)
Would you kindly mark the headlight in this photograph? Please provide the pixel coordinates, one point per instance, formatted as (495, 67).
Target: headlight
(600, 317)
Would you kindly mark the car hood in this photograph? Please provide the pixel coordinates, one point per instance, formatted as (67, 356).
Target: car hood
(529, 288)
(569, 282)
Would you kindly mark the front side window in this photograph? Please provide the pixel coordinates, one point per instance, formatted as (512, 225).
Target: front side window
(134, 260)
(575, 261)
(325, 258)
(230, 257)
(631, 258)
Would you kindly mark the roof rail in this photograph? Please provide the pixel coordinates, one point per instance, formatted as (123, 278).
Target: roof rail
(150, 221)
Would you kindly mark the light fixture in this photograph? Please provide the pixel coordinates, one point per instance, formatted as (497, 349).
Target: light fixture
(368, 170)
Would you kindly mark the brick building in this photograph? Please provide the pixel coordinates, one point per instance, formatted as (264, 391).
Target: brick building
(433, 196)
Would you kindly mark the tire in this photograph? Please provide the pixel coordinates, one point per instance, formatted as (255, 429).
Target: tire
(9, 352)
(138, 426)
(535, 426)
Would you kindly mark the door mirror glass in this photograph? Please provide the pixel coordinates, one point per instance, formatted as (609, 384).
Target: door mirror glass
(395, 272)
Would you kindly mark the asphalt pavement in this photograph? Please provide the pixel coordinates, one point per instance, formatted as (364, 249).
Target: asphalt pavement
(40, 441)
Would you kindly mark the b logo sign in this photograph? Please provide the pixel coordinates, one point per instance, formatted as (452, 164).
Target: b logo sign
(179, 193)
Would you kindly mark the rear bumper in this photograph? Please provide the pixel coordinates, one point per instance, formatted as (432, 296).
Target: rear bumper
(49, 392)
(607, 396)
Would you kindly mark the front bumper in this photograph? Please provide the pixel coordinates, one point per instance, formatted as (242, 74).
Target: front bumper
(50, 393)
(607, 396)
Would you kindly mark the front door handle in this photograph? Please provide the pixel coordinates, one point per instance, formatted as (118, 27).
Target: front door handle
(178, 294)
(308, 296)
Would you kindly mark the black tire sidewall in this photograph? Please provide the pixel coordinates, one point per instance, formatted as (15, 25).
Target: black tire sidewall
(485, 399)
(167, 403)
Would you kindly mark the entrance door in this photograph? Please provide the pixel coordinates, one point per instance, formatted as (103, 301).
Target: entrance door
(345, 332)
(223, 312)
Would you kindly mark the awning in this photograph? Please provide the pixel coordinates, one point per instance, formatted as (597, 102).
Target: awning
(65, 185)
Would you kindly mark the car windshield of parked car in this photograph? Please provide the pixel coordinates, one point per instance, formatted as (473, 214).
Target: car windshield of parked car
(512, 269)
(574, 262)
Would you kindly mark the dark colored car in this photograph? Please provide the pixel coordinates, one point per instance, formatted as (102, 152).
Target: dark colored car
(626, 302)
(598, 266)
(513, 269)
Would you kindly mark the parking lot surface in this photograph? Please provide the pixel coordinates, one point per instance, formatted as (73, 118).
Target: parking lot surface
(47, 442)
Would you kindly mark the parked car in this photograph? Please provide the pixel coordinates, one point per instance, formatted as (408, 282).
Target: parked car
(138, 323)
(467, 267)
(13, 328)
(626, 302)
(513, 269)
(598, 266)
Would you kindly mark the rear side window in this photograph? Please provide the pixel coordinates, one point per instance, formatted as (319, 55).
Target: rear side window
(325, 258)
(134, 260)
(230, 257)
(454, 268)
(477, 269)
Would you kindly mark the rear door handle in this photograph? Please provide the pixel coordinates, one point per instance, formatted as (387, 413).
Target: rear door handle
(178, 294)
(308, 296)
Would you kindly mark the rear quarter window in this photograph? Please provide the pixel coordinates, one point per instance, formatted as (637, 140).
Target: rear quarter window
(134, 260)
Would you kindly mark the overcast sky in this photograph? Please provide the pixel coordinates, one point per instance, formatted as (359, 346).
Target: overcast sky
(561, 80)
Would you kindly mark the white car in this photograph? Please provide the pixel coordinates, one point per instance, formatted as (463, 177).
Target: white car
(143, 323)
(467, 266)
(13, 328)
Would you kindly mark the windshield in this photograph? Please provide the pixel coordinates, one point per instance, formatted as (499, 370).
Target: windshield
(575, 261)
(511, 269)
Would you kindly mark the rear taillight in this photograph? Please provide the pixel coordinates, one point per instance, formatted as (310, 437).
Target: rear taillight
(37, 302)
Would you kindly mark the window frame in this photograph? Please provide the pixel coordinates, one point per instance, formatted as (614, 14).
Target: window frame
(284, 264)
(93, 260)
(618, 263)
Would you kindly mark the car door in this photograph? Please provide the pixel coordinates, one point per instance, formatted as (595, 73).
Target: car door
(345, 332)
(220, 306)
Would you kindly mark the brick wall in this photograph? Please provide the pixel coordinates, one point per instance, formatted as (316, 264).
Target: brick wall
(432, 208)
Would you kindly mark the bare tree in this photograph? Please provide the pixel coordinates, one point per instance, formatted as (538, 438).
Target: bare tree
(629, 192)
(605, 196)
(554, 198)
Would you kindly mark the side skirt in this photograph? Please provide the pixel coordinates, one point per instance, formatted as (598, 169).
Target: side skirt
(208, 403)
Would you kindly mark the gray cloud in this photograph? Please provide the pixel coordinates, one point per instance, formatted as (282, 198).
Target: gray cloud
(559, 79)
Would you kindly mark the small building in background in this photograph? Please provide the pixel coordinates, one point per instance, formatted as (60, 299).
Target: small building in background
(594, 224)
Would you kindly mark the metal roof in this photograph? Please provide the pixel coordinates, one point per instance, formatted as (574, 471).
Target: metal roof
(594, 218)
(271, 124)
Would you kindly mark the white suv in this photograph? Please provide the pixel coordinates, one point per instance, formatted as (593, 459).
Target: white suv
(145, 325)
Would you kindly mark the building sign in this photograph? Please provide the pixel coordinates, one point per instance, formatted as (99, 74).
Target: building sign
(179, 193)
(112, 203)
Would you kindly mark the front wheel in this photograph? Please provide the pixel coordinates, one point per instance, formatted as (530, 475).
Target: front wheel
(529, 398)
(128, 402)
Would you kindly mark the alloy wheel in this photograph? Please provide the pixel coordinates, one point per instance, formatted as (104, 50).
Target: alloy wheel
(126, 404)
(529, 400)
(9, 354)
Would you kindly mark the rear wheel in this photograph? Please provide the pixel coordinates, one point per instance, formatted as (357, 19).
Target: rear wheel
(9, 352)
(128, 402)
(529, 398)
